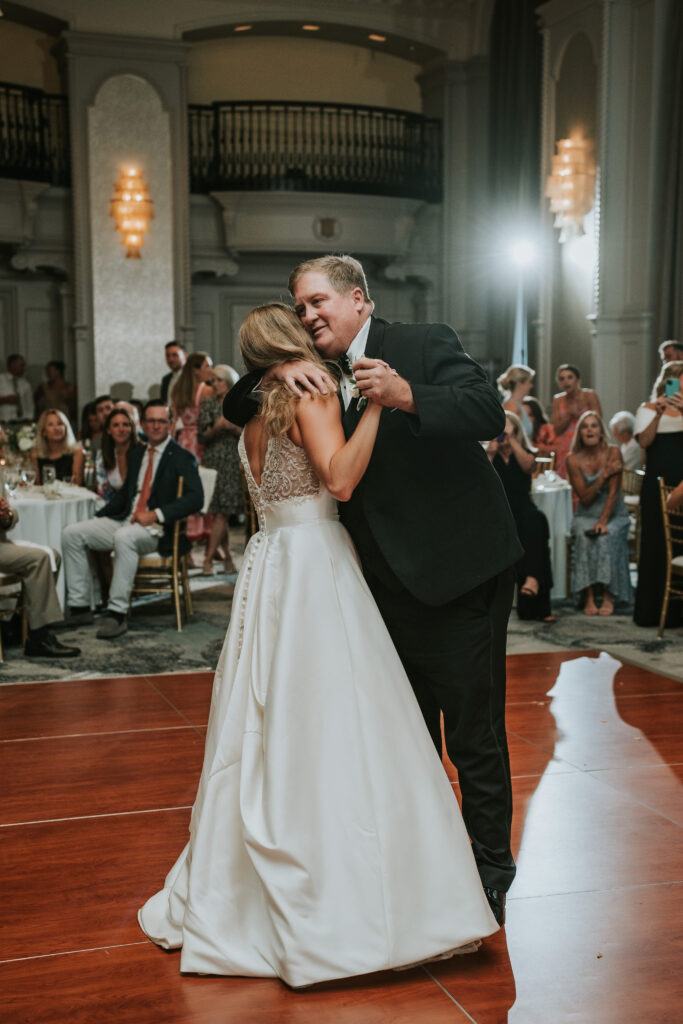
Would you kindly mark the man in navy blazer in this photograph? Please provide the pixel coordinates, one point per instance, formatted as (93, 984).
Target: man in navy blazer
(432, 527)
(137, 520)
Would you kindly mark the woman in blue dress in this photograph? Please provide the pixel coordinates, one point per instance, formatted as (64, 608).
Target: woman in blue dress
(601, 521)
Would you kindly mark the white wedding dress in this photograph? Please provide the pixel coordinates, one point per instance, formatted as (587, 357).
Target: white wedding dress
(325, 840)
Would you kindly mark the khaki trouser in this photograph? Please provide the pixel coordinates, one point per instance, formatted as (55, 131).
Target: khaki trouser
(33, 565)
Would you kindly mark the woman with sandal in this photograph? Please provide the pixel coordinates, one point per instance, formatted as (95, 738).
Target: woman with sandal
(514, 462)
(601, 521)
(219, 439)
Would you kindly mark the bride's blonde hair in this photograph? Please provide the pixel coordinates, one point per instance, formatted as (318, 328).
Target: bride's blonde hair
(270, 336)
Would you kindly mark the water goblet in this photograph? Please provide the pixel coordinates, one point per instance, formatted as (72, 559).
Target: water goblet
(29, 476)
(11, 481)
(48, 476)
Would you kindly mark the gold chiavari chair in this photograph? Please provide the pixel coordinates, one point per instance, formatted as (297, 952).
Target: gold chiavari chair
(157, 574)
(11, 580)
(673, 536)
(631, 486)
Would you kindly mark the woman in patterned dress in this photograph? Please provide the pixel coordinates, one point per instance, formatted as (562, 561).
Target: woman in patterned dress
(186, 396)
(219, 438)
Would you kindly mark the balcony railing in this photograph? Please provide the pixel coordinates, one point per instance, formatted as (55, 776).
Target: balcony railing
(34, 135)
(314, 147)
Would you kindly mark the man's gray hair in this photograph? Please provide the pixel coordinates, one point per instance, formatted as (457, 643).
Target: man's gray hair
(343, 272)
(623, 420)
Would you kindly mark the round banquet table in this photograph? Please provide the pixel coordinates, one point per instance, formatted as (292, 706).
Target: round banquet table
(41, 519)
(555, 499)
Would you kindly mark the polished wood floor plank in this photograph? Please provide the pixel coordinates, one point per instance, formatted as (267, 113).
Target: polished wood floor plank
(610, 957)
(573, 833)
(81, 706)
(190, 693)
(112, 773)
(657, 786)
(530, 676)
(142, 985)
(73, 885)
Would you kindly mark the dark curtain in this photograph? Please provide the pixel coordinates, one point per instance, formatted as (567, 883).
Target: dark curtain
(516, 63)
(669, 241)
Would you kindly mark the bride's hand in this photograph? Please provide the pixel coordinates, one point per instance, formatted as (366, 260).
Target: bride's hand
(301, 377)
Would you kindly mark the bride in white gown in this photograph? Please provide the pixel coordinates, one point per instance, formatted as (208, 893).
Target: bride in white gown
(325, 840)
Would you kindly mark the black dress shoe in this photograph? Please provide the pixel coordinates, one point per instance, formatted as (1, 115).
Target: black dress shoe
(48, 646)
(496, 900)
(79, 617)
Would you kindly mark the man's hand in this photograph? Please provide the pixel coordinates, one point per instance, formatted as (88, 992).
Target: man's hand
(377, 381)
(145, 518)
(301, 377)
(601, 528)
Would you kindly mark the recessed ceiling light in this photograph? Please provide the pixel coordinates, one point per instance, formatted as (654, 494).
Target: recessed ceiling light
(242, 28)
(377, 39)
(311, 28)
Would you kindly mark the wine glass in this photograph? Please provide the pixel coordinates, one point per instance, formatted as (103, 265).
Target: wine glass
(29, 476)
(48, 476)
(11, 481)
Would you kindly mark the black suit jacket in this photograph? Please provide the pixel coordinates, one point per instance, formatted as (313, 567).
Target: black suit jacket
(175, 462)
(430, 507)
(165, 385)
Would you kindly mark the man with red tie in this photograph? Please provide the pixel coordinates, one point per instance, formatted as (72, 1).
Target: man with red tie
(136, 521)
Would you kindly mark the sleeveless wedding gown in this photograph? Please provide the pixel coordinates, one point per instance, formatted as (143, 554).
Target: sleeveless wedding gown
(325, 840)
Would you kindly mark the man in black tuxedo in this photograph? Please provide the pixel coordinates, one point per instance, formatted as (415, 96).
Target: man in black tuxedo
(175, 360)
(137, 520)
(432, 527)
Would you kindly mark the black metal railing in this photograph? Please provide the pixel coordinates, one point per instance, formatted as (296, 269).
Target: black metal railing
(34, 135)
(314, 147)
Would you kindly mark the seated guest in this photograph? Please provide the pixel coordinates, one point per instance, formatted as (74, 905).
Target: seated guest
(103, 406)
(568, 406)
(119, 437)
(34, 568)
(90, 424)
(219, 438)
(542, 435)
(601, 521)
(56, 392)
(514, 464)
(137, 520)
(622, 425)
(56, 446)
(516, 383)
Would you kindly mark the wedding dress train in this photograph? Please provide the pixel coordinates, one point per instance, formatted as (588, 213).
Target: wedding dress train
(325, 840)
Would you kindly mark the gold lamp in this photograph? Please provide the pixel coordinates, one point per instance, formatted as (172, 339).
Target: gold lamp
(132, 210)
(571, 185)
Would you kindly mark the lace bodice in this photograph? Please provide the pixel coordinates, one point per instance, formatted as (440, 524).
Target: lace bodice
(287, 475)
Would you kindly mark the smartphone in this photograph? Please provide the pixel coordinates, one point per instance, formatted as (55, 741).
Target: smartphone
(501, 438)
(592, 533)
(671, 386)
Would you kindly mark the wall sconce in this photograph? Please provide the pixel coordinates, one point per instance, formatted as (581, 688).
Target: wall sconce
(571, 186)
(132, 209)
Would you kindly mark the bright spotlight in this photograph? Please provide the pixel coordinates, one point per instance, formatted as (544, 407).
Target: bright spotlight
(523, 253)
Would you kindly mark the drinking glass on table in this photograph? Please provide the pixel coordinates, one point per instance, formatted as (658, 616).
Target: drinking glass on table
(29, 476)
(48, 475)
(11, 480)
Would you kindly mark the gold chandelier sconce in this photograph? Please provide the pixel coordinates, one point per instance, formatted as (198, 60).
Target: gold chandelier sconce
(132, 210)
(571, 185)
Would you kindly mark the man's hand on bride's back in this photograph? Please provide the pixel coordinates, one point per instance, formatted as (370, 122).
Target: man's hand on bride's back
(301, 377)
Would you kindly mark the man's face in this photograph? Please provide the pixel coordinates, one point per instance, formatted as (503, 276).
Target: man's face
(103, 409)
(175, 358)
(17, 367)
(671, 353)
(156, 424)
(333, 320)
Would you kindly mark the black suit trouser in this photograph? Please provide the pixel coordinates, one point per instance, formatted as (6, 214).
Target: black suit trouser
(454, 656)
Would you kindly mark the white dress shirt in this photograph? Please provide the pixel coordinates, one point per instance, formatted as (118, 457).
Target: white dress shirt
(24, 409)
(355, 351)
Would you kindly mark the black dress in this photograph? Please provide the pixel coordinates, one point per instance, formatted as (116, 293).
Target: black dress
(534, 534)
(63, 466)
(663, 458)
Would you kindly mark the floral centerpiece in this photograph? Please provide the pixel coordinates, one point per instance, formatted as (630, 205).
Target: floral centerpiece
(21, 437)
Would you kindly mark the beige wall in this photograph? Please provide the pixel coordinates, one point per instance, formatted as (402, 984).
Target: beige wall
(281, 68)
(25, 57)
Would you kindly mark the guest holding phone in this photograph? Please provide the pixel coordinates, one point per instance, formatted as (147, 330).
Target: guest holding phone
(659, 430)
(601, 520)
(514, 462)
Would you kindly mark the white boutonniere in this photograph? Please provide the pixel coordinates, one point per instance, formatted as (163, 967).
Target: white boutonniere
(361, 401)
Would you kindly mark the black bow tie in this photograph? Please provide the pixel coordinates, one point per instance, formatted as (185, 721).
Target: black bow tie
(345, 364)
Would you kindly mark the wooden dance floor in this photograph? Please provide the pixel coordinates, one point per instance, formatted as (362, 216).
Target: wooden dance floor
(98, 777)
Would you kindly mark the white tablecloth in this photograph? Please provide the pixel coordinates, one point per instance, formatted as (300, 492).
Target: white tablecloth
(556, 501)
(42, 520)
